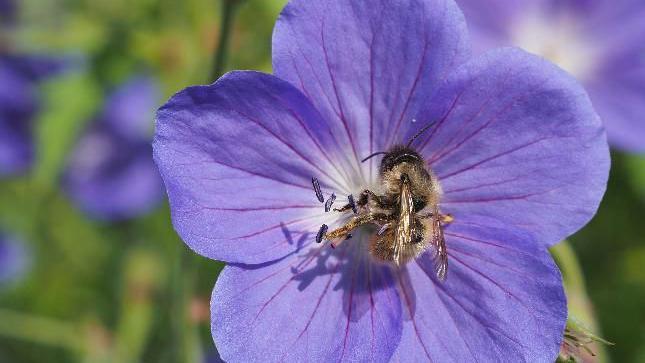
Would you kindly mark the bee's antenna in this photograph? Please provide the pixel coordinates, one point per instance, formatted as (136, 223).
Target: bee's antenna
(424, 129)
(373, 155)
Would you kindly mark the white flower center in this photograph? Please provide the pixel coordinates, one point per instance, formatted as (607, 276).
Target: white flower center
(558, 39)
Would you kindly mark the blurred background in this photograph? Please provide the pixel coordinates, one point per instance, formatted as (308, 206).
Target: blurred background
(90, 267)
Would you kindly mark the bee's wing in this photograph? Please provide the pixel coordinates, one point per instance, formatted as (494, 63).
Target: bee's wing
(403, 235)
(439, 242)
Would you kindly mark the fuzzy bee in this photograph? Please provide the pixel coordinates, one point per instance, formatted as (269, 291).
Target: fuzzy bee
(407, 212)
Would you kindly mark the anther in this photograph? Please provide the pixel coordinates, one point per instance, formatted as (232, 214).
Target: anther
(350, 198)
(321, 233)
(319, 193)
(330, 202)
(349, 236)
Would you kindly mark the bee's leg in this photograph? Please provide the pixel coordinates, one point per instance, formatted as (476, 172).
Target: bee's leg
(344, 208)
(368, 195)
(443, 218)
(351, 205)
(355, 223)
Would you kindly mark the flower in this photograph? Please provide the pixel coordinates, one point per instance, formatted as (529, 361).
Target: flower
(19, 103)
(7, 11)
(111, 174)
(514, 142)
(13, 259)
(599, 42)
(212, 357)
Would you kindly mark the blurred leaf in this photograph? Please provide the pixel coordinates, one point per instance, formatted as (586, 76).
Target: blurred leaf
(69, 102)
(635, 166)
(39, 330)
(142, 277)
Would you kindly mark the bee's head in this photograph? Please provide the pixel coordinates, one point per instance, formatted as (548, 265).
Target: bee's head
(398, 155)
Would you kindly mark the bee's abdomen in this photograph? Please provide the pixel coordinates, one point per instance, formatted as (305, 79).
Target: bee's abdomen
(382, 248)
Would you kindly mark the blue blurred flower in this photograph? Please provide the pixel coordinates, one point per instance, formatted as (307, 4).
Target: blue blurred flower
(19, 104)
(7, 11)
(13, 259)
(516, 146)
(601, 42)
(111, 174)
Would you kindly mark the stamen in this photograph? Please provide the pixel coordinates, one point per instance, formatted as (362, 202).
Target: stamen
(317, 189)
(349, 236)
(352, 204)
(321, 233)
(330, 202)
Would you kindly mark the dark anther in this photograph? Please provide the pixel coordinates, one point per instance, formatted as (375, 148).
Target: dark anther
(350, 198)
(319, 193)
(321, 233)
(349, 236)
(329, 202)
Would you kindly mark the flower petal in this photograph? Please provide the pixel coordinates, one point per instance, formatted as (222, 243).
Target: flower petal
(111, 174)
(16, 147)
(612, 34)
(517, 139)
(130, 109)
(617, 88)
(37, 67)
(237, 158)
(503, 300)
(622, 108)
(490, 21)
(321, 306)
(368, 66)
(112, 178)
(18, 104)
(14, 259)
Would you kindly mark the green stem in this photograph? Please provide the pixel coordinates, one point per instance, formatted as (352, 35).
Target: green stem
(40, 330)
(572, 275)
(141, 282)
(191, 339)
(221, 54)
(579, 304)
(184, 281)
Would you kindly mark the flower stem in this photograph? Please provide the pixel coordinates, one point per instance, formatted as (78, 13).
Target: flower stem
(579, 304)
(221, 54)
(184, 284)
(142, 280)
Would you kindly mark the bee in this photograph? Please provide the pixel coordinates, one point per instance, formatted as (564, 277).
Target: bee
(406, 213)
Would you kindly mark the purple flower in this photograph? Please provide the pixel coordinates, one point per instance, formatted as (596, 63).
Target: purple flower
(600, 42)
(19, 103)
(514, 142)
(213, 357)
(13, 259)
(111, 174)
(7, 11)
